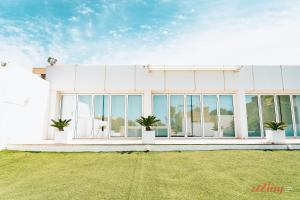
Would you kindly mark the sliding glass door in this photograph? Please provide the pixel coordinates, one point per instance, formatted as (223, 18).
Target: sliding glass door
(177, 115)
(194, 115)
(134, 112)
(210, 114)
(84, 117)
(266, 108)
(193, 107)
(253, 116)
(226, 116)
(68, 110)
(102, 116)
(101, 127)
(117, 116)
(296, 101)
(161, 111)
(285, 113)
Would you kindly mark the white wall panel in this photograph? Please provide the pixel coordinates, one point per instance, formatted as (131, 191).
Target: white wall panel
(90, 78)
(61, 77)
(245, 78)
(231, 80)
(209, 80)
(267, 77)
(149, 80)
(120, 78)
(180, 80)
(291, 77)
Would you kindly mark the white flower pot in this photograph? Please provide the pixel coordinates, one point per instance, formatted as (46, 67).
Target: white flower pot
(148, 137)
(62, 137)
(275, 137)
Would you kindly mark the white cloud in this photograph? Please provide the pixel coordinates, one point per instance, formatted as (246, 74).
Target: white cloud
(266, 38)
(85, 10)
(74, 19)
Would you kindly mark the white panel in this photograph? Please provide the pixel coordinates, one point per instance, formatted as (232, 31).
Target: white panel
(61, 77)
(245, 78)
(209, 80)
(120, 78)
(267, 77)
(149, 80)
(180, 80)
(90, 78)
(291, 77)
(231, 80)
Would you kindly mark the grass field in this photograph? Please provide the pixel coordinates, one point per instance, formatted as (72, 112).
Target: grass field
(154, 175)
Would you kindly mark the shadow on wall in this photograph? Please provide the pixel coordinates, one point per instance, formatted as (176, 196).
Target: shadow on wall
(23, 106)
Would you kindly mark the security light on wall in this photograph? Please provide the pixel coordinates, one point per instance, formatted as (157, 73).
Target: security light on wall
(52, 61)
(3, 64)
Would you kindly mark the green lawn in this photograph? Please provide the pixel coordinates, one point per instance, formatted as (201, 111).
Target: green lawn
(154, 175)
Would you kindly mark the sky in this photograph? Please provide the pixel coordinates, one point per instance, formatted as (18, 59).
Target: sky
(162, 32)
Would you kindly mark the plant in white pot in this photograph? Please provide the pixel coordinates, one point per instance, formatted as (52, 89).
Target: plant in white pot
(275, 133)
(148, 135)
(61, 136)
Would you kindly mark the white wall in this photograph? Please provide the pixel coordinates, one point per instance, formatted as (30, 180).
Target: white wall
(137, 78)
(23, 106)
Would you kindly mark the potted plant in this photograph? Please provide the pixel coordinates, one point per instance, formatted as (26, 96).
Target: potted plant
(275, 133)
(148, 135)
(61, 136)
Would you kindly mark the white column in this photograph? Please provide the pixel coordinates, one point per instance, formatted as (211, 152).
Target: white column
(241, 115)
(147, 107)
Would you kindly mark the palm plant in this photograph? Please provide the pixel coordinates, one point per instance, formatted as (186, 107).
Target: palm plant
(275, 125)
(60, 123)
(147, 122)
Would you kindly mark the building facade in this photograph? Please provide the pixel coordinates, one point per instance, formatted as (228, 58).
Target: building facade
(191, 102)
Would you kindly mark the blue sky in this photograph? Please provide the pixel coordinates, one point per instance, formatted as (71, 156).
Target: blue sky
(150, 32)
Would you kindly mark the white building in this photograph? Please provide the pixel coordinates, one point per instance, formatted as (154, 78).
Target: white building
(189, 101)
(192, 102)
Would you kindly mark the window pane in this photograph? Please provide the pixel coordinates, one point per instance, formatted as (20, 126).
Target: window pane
(68, 110)
(117, 115)
(226, 116)
(285, 113)
(177, 115)
(210, 116)
(296, 100)
(193, 115)
(100, 116)
(253, 116)
(160, 110)
(134, 112)
(84, 120)
(268, 108)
